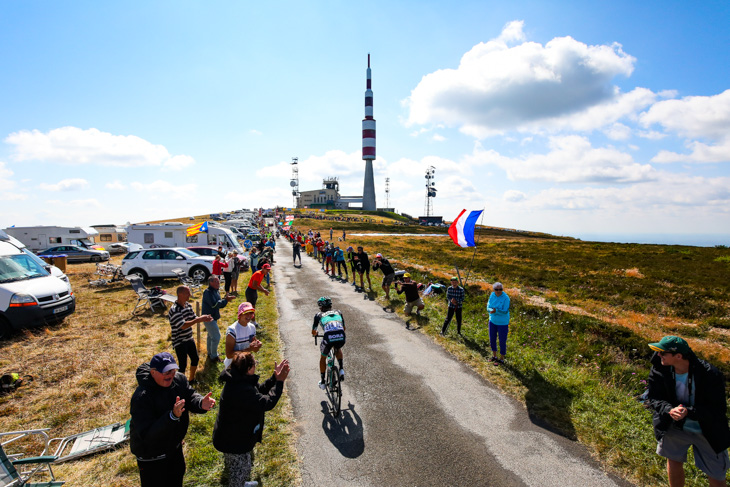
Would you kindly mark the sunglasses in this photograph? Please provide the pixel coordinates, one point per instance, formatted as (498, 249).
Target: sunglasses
(498, 289)
(662, 354)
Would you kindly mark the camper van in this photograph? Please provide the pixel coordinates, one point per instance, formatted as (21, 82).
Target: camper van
(40, 238)
(30, 295)
(174, 234)
(109, 234)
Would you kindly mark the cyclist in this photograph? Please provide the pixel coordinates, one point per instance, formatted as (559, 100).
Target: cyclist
(333, 324)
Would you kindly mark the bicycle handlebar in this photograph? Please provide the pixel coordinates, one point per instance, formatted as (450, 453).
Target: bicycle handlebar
(317, 336)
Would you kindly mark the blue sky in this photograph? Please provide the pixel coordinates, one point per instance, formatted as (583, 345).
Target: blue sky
(563, 117)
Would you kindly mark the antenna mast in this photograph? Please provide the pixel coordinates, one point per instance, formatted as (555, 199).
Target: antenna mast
(295, 181)
(430, 190)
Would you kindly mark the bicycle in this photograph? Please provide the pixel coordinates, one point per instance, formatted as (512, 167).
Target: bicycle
(333, 385)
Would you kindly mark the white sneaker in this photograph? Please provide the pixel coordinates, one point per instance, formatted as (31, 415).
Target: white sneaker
(342, 374)
(321, 385)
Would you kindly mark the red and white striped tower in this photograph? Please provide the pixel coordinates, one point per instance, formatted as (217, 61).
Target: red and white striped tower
(368, 147)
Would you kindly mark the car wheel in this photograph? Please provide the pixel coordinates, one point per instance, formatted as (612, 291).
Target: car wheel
(139, 273)
(95, 258)
(5, 329)
(199, 273)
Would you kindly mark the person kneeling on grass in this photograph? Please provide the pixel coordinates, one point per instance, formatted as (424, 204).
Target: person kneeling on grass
(240, 422)
(687, 397)
(159, 410)
(498, 309)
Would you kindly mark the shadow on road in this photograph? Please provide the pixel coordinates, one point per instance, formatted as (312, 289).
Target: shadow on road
(548, 406)
(345, 432)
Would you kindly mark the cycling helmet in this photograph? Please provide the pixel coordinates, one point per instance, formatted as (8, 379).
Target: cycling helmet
(324, 302)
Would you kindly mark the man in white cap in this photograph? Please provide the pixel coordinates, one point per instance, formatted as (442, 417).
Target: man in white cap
(159, 410)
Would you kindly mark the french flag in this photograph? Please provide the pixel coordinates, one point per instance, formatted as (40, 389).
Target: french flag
(462, 230)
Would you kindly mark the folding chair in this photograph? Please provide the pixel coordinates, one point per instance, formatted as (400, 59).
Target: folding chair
(188, 281)
(143, 295)
(90, 442)
(16, 470)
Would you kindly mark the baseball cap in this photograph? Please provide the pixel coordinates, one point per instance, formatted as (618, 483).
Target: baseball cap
(163, 362)
(378, 256)
(406, 275)
(266, 266)
(245, 307)
(454, 278)
(671, 343)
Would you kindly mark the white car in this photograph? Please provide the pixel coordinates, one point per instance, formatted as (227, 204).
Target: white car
(161, 263)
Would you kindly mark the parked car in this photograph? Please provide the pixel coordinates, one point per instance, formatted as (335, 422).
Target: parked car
(161, 262)
(213, 251)
(29, 294)
(118, 248)
(75, 253)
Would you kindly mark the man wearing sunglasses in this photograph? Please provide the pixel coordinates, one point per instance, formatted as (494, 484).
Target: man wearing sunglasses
(687, 396)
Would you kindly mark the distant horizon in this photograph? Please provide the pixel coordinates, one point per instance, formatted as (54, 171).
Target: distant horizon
(693, 240)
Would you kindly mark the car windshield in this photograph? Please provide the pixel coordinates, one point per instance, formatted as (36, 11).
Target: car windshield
(188, 253)
(19, 268)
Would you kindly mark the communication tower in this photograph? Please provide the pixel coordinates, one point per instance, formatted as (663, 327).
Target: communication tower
(430, 190)
(387, 192)
(295, 180)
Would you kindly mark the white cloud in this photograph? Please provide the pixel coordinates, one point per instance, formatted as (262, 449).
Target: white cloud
(116, 184)
(7, 185)
(75, 146)
(706, 118)
(438, 138)
(571, 159)
(75, 184)
(497, 87)
(618, 131)
(255, 132)
(514, 196)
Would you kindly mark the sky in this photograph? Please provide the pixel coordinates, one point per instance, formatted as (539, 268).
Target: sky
(566, 117)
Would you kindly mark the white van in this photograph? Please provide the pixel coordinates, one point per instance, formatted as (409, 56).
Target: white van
(29, 294)
(174, 234)
(42, 237)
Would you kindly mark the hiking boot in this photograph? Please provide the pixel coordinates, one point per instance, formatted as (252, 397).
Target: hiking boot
(321, 385)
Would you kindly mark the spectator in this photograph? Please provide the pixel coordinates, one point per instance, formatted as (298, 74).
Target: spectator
(344, 235)
(230, 263)
(320, 251)
(254, 256)
(687, 397)
(362, 263)
(412, 298)
(350, 257)
(329, 251)
(235, 272)
(331, 233)
(241, 335)
(455, 297)
(296, 252)
(212, 303)
(218, 266)
(341, 264)
(160, 416)
(240, 422)
(182, 318)
(309, 246)
(221, 252)
(498, 309)
(254, 285)
(388, 273)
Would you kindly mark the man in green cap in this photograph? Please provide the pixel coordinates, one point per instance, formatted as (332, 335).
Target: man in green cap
(687, 396)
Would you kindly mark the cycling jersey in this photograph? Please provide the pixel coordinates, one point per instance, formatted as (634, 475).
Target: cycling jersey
(333, 325)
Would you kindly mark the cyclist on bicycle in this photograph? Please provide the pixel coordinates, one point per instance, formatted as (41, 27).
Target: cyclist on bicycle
(333, 324)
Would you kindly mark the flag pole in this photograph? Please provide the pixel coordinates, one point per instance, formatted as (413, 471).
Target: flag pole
(468, 272)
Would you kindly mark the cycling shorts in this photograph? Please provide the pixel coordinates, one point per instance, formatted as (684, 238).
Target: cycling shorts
(333, 339)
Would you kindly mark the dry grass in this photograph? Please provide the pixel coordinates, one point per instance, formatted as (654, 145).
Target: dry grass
(84, 373)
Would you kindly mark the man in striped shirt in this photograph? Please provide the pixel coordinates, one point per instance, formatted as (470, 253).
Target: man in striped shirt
(455, 296)
(182, 318)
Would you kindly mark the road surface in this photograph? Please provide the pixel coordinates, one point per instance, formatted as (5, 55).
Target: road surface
(412, 414)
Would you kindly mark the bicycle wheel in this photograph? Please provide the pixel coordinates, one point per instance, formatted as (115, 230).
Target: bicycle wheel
(336, 391)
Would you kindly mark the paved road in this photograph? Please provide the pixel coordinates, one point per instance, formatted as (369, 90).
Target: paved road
(412, 414)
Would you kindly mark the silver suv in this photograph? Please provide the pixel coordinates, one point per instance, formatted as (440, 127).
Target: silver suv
(161, 263)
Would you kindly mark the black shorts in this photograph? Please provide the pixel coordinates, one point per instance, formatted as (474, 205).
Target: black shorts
(334, 339)
(362, 271)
